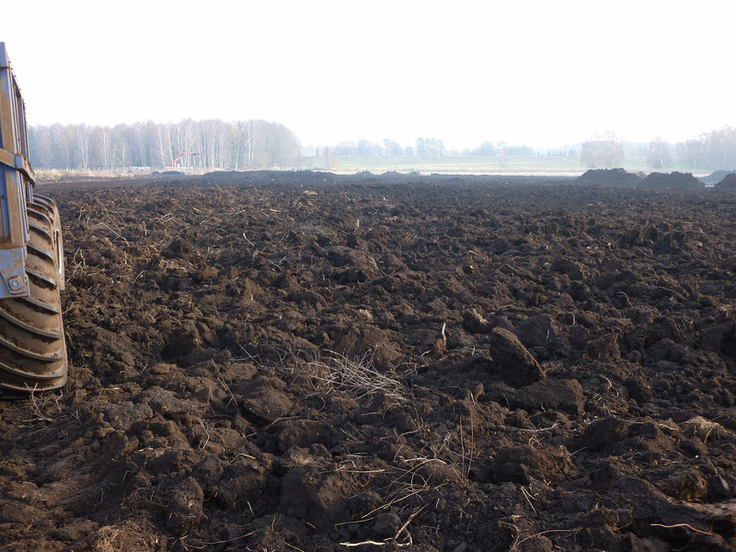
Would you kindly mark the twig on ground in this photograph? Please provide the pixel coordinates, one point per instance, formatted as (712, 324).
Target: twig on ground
(393, 540)
(541, 533)
(685, 525)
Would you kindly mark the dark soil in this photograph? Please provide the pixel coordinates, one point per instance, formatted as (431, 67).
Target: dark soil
(715, 177)
(305, 361)
(609, 177)
(676, 180)
(728, 182)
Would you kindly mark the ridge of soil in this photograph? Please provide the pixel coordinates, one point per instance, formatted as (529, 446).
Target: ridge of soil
(728, 182)
(306, 361)
(715, 177)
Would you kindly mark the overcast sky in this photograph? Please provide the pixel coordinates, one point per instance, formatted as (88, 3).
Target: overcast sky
(541, 73)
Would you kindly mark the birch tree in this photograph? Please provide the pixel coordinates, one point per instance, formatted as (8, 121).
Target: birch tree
(252, 144)
(82, 141)
(659, 154)
(102, 138)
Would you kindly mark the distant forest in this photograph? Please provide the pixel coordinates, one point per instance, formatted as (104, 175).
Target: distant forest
(712, 150)
(217, 145)
(257, 144)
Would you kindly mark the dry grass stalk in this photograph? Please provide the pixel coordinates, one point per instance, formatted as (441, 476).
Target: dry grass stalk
(471, 450)
(357, 377)
(38, 405)
(704, 429)
(683, 525)
(395, 539)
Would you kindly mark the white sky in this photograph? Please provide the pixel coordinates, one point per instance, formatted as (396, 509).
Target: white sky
(536, 72)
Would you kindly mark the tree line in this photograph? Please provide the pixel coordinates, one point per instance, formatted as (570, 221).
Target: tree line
(710, 151)
(423, 147)
(713, 150)
(258, 144)
(252, 144)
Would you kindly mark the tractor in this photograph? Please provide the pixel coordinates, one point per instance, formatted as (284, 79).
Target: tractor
(33, 353)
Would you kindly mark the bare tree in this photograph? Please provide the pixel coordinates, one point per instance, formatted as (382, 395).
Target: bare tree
(330, 156)
(40, 138)
(250, 144)
(715, 150)
(430, 147)
(720, 147)
(659, 154)
(164, 145)
(121, 145)
(102, 137)
(604, 151)
(249, 137)
(81, 133)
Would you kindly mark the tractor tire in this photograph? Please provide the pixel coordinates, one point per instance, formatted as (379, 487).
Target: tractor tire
(33, 353)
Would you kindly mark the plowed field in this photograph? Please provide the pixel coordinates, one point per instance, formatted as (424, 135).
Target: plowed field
(305, 361)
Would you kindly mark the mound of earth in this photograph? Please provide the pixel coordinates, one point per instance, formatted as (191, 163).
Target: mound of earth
(728, 182)
(306, 361)
(608, 177)
(715, 177)
(674, 180)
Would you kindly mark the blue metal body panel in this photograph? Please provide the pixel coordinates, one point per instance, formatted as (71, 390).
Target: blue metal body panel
(16, 184)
